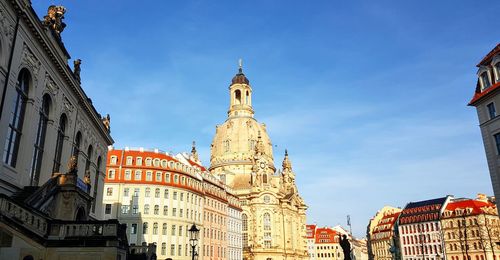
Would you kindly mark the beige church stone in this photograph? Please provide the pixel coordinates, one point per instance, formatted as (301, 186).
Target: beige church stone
(274, 214)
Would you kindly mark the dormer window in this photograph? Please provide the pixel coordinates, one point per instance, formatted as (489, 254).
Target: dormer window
(497, 70)
(485, 80)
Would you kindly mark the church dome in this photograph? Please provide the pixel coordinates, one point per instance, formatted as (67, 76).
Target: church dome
(235, 140)
(240, 78)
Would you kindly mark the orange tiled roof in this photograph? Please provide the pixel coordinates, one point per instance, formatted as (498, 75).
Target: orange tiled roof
(326, 235)
(383, 226)
(479, 95)
(310, 229)
(475, 205)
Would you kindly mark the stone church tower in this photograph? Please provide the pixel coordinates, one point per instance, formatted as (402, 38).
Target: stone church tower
(274, 214)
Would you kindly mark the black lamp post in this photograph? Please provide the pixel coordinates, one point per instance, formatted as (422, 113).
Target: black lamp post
(193, 239)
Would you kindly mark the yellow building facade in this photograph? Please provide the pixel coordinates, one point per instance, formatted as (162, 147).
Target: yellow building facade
(274, 214)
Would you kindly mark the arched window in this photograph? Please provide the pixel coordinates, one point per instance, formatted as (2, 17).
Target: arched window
(164, 229)
(36, 161)
(145, 228)
(155, 228)
(157, 210)
(247, 101)
(237, 97)
(89, 158)
(157, 193)
(61, 131)
(244, 220)
(14, 132)
(96, 178)
(267, 221)
(76, 146)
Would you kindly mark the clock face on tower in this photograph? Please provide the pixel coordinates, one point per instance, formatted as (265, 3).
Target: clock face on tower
(262, 165)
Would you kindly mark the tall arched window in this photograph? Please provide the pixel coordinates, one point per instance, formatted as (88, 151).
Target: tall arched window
(237, 97)
(76, 147)
(145, 228)
(244, 219)
(267, 221)
(155, 228)
(36, 161)
(246, 98)
(14, 132)
(264, 178)
(61, 131)
(96, 178)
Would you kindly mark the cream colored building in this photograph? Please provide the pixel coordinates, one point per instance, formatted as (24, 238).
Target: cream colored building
(381, 235)
(471, 229)
(274, 214)
(157, 197)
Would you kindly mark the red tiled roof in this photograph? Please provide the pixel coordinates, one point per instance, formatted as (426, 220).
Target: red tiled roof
(383, 226)
(476, 206)
(326, 235)
(487, 58)
(310, 228)
(479, 95)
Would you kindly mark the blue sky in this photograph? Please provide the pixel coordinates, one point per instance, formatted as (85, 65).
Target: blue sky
(369, 97)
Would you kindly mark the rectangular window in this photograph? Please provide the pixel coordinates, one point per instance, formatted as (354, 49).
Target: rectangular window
(497, 142)
(182, 196)
(137, 175)
(173, 230)
(108, 209)
(135, 209)
(129, 160)
(125, 209)
(128, 175)
(165, 210)
(175, 195)
(167, 177)
(109, 192)
(172, 250)
(138, 161)
(112, 161)
(176, 179)
(111, 174)
(165, 194)
(158, 176)
(491, 110)
(149, 176)
(174, 212)
(180, 230)
(133, 230)
(136, 192)
(180, 213)
(180, 250)
(125, 192)
(146, 208)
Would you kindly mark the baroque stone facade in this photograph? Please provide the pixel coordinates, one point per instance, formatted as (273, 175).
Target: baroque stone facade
(274, 214)
(48, 210)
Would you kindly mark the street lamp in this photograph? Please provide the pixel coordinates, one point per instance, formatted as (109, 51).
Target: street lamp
(193, 239)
